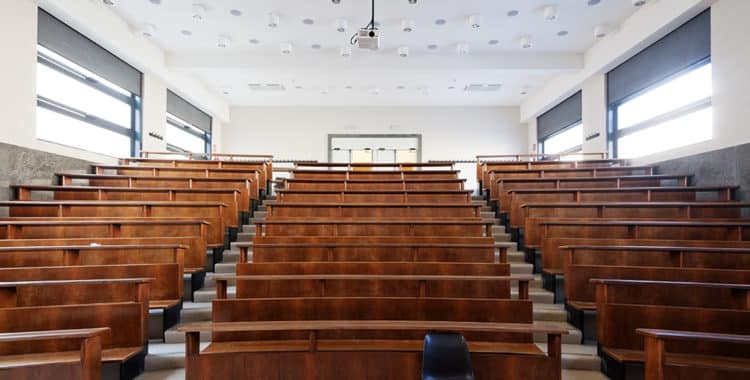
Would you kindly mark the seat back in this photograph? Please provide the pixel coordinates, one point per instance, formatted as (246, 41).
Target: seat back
(446, 357)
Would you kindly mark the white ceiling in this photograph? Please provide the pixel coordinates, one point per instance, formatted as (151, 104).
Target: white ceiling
(321, 77)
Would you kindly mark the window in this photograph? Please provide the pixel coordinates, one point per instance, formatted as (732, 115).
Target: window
(569, 140)
(188, 128)
(79, 109)
(184, 137)
(660, 99)
(666, 116)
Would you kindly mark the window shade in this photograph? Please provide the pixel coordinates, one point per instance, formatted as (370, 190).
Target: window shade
(677, 51)
(181, 108)
(64, 40)
(563, 115)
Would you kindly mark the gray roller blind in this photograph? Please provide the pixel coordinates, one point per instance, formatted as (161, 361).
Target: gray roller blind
(563, 115)
(181, 108)
(677, 51)
(64, 40)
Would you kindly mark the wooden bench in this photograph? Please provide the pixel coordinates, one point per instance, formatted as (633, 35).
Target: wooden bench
(159, 171)
(696, 264)
(372, 210)
(192, 233)
(374, 175)
(165, 300)
(490, 158)
(374, 184)
(121, 305)
(374, 196)
(230, 197)
(487, 166)
(376, 227)
(660, 364)
(315, 357)
(512, 200)
(496, 175)
(399, 250)
(249, 194)
(84, 364)
(623, 306)
(215, 213)
(265, 168)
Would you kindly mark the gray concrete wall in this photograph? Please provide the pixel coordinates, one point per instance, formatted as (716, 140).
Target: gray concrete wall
(20, 165)
(728, 166)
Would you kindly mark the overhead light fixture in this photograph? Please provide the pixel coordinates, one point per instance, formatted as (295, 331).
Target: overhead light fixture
(110, 3)
(639, 3)
(286, 48)
(600, 31)
(336, 1)
(403, 51)
(226, 90)
(524, 91)
(223, 41)
(342, 25)
(147, 30)
(525, 42)
(199, 12)
(550, 13)
(272, 20)
(412, 1)
(346, 51)
(408, 25)
(462, 48)
(475, 21)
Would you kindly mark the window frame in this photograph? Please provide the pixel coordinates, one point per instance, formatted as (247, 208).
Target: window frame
(613, 131)
(576, 149)
(133, 132)
(187, 128)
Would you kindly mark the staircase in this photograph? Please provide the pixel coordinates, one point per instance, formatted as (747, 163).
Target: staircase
(166, 360)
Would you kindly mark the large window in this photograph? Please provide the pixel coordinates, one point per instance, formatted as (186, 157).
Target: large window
(569, 140)
(188, 128)
(77, 107)
(184, 137)
(660, 99)
(667, 116)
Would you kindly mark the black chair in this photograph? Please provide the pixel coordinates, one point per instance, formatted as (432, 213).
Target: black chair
(446, 357)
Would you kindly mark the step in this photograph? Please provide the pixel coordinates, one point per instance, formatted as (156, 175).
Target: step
(573, 337)
(195, 312)
(231, 256)
(245, 236)
(260, 214)
(513, 257)
(225, 268)
(166, 356)
(567, 374)
(515, 268)
(248, 228)
(262, 207)
(549, 312)
(578, 357)
(174, 336)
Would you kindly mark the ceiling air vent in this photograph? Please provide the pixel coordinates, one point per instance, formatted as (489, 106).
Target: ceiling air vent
(484, 87)
(266, 87)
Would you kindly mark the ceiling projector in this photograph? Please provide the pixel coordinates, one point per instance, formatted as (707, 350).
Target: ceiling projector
(368, 38)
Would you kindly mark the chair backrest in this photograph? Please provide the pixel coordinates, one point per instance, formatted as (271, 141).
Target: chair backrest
(446, 357)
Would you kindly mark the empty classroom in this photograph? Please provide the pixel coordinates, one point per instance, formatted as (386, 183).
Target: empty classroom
(375, 189)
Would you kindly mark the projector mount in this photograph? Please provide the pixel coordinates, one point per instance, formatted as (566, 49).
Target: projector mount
(367, 37)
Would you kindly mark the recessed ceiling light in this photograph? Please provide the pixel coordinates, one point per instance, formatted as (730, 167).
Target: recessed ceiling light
(346, 51)
(525, 42)
(298, 87)
(223, 41)
(639, 3)
(147, 30)
(401, 87)
(235, 12)
(600, 31)
(451, 87)
(111, 3)
(375, 91)
(408, 25)
(562, 33)
(550, 13)
(272, 20)
(475, 21)
(440, 21)
(324, 91)
(286, 48)
(433, 46)
(348, 87)
(226, 90)
(524, 91)
(315, 46)
(254, 41)
(462, 48)
(308, 21)
(594, 2)
(493, 42)
(512, 13)
(155, 2)
(199, 12)
(341, 25)
(186, 32)
(403, 51)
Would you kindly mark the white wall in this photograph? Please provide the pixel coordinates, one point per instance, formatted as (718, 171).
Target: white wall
(730, 54)
(447, 133)
(18, 38)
